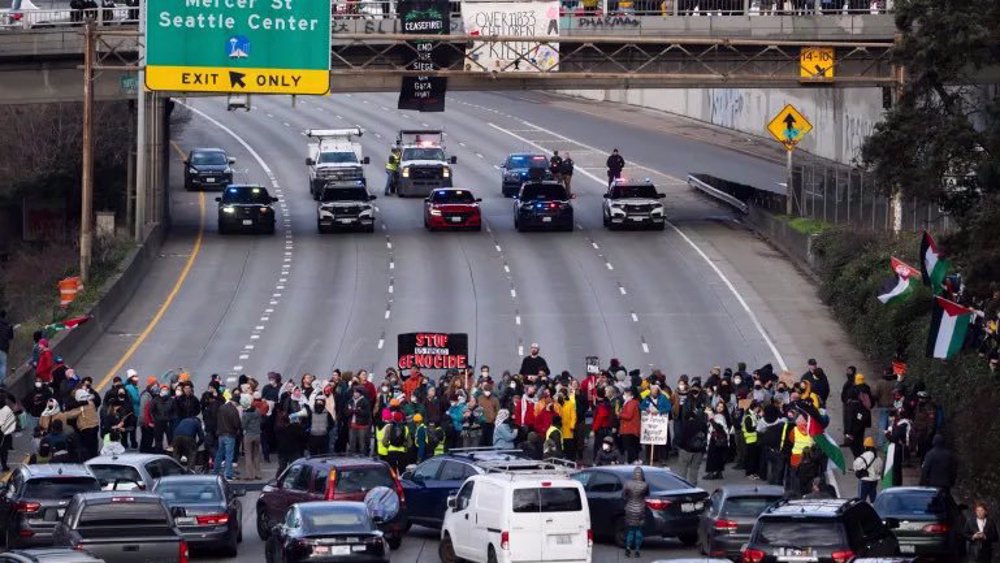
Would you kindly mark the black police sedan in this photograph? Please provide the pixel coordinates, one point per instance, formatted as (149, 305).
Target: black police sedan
(208, 168)
(520, 168)
(207, 511)
(328, 532)
(544, 205)
(246, 208)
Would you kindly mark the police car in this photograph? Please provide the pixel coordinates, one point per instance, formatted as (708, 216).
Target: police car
(630, 203)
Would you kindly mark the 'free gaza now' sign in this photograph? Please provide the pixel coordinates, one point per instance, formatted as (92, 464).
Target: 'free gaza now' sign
(433, 350)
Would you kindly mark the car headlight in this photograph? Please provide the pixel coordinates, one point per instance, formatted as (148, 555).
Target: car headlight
(446, 172)
(366, 211)
(512, 175)
(436, 212)
(657, 209)
(265, 210)
(406, 171)
(229, 210)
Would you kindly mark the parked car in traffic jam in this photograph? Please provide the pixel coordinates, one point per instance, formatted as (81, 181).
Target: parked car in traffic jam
(673, 507)
(35, 498)
(118, 472)
(206, 509)
(327, 532)
(926, 521)
(729, 518)
(452, 208)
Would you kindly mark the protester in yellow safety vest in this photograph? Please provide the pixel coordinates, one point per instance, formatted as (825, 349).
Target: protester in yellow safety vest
(751, 453)
(420, 436)
(391, 168)
(800, 440)
(567, 411)
(553, 439)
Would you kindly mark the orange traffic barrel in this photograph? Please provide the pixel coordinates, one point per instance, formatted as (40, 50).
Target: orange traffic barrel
(68, 290)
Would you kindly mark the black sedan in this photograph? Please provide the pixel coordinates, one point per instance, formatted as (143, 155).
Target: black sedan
(208, 168)
(206, 510)
(672, 508)
(543, 205)
(246, 208)
(732, 511)
(520, 168)
(926, 521)
(327, 532)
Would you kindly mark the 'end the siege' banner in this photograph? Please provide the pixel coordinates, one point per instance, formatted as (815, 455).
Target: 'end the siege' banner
(425, 17)
(433, 350)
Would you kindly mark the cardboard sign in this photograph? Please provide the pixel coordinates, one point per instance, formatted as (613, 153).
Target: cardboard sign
(655, 429)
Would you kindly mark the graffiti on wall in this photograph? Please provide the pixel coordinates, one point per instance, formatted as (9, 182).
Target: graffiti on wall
(726, 105)
(856, 130)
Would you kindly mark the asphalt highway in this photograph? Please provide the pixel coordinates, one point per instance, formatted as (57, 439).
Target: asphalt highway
(299, 301)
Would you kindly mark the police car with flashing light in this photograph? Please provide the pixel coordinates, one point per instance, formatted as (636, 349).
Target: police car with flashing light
(520, 168)
(631, 203)
(246, 208)
(345, 207)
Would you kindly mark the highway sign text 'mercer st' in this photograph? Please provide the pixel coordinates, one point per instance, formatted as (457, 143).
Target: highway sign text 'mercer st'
(238, 46)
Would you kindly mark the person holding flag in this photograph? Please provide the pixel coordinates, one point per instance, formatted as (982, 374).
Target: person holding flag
(898, 436)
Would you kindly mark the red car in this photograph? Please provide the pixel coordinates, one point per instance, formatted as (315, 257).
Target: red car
(452, 208)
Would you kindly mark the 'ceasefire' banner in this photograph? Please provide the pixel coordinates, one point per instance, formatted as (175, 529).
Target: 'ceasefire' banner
(433, 350)
(426, 17)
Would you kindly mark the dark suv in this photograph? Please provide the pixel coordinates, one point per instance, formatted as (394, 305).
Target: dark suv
(543, 205)
(208, 168)
(246, 208)
(520, 168)
(34, 499)
(823, 531)
(329, 477)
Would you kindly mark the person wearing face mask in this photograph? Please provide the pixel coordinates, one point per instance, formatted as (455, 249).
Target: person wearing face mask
(87, 423)
(359, 413)
(490, 406)
(606, 453)
(524, 410)
(456, 413)
(630, 426)
(718, 444)
(162, 410)
(533, 363)
(319, 425)
(504, 435)
(34, 403)
(382, 401)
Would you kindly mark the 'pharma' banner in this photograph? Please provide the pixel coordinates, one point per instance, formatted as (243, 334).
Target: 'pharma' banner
(433, 350)
(526, 18)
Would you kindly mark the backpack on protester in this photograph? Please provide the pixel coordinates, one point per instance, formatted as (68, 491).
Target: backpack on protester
(397, 435)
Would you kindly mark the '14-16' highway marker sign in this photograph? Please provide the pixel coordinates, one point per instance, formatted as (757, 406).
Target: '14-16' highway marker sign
(238, 46)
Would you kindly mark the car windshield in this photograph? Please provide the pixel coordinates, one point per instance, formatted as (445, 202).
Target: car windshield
(333, 520)
(213, 158)
(112, 473)
(646, 191)
(665, 481)
(515, 161)
(747, 507)
(362, 480)
(59, 487)
(174, 491)
(338, 157)
(543, 192)
(453, 196)
(790, 533)
(246, 195)
(909, 503)
(344, 194)
(423, 154)
(547, 499)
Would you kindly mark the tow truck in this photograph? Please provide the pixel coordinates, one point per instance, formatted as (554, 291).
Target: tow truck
(335, 159)
(423, 165)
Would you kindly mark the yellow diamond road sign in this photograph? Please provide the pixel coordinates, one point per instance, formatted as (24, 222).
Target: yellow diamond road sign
(789, 126)
(816, 63)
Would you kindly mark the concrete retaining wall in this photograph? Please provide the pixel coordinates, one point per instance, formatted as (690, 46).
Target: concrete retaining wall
(841, 117)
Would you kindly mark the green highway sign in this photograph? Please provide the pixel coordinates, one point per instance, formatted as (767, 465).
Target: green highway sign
(238, 46)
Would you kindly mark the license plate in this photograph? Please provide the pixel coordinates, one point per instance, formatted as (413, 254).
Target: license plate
(637, 218)
(689, 507)
(248, 221)
(908, 548)
(340, 550)
(456, 219)
(60, 512)
(348, 220)
(546, 219)
(357, 548)
(210, 180)
(564, 539)
(185, 521)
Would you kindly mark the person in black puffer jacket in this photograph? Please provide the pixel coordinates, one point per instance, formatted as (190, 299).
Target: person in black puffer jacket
(635, 494)
(940, 467)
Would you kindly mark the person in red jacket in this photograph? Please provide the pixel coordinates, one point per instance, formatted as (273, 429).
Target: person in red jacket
(543, 416)
(602, 420)
(46, 362)
(629, 426)
(524, 410)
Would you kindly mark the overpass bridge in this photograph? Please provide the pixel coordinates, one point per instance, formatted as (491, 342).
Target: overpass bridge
(369, 53)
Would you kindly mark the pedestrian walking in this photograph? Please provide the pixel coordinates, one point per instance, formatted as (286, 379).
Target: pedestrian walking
(635, 493)
(980, 533)
(868, 470)
(615, 164)
(566, 170)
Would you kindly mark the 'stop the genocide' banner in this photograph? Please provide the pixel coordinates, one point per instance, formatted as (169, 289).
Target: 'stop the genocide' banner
(433, 350)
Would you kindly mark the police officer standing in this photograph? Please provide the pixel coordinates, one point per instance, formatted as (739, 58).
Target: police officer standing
(615, 166)
(566, 170)
(555, 166)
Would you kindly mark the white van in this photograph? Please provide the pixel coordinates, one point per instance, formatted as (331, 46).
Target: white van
(504, 517)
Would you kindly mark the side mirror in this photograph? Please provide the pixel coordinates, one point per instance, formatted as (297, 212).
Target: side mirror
(274, 200)
(218, 199)
(453, 502)
(453, 160)
(239, 492)
(232, 160)
(366, 160)
(310, 162)
(273, 483)
(503, 165)
(891, 523)
(372, 197)
(479, 200)
(661, 196)
(186, 162)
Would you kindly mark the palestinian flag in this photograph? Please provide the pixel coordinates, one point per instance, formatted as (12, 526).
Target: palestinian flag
(890, 455)
(822, 439)
(949, 325)
(67, 324)
(933, 268)
(901, 286)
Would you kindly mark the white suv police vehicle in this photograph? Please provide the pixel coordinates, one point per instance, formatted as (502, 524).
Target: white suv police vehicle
(630, 203)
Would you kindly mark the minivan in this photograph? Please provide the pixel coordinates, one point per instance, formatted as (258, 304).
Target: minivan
(506, 516)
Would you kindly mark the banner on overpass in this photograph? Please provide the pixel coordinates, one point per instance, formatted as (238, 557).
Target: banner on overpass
(433, 350)
(523, 18)
(424, 17)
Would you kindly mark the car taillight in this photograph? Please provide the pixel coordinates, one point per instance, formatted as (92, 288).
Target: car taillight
(937, 528)
(842, 556)
(212, 519)
(331, 485)
(657, 504)
(399, 488)
(25, 533)
(78, 547)
(27, 507)
(753, 556)
(182, 553)
(505, 540)
(590, 538)
(725, 525)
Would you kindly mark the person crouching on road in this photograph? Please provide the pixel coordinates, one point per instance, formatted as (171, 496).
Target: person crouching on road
(635, 494)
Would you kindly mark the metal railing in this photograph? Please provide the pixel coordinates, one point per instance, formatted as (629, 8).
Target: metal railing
(66, 17)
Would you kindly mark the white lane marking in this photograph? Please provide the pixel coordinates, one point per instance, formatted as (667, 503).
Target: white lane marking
(259, 327)
(496, 166)
(244, 356)
(513, 293)
(286, 124)
(248, 347)
(594, 244)
(387, 313)
(621, 289)
(392, 265)
(499, 249)
(272, 302)
(381, 343)
(517, 319)
(645, 347)
(461, 144)
(608, 264)
(269, 115)
(479, 154)
(506, 269)
(282, 280)
(520, 350)
(725, 280)
(391, 289)
(254, 337)
(635, 318)
(265, 319)
(237, 368)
